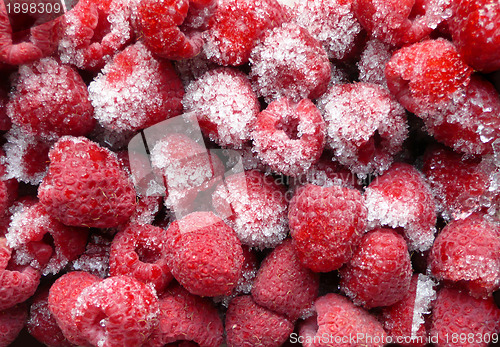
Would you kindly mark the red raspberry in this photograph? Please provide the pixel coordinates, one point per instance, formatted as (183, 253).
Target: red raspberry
(365, 126)
(5, 253)
(467, 251)
(236, 27)
(51, 100)
(94, 32)
(402, 198)
(248, 324)
(254, 205)
(225, 105)
(400, 22)
(289, 136)
(204, 254)
(135, 91)
(379, 272)
(140, 252)
(95, 259)
(12, 321)
(427, 76)
(289, 62)
(337, 321)
(86, 186)
(474, 28)
(371, 64)
(326, 224)
(407, 319)
(458, 314)
(186, 317)
(283, 285)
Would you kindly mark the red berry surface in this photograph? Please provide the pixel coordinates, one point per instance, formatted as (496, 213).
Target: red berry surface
(12, 320)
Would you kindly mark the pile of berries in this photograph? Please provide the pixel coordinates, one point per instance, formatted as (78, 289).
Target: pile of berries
(250, 173)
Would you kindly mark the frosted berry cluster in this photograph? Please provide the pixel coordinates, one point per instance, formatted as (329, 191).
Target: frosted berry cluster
(250, 173)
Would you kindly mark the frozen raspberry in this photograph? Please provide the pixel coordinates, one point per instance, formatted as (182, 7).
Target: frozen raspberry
(427, 76)
(326, 224)
(337, 320)
(248, 324)
(332, 23)
(289, 62)
(466, 251)
(371, 64)
(95, 259)
(379, 272)
(12, 320)
(50, 99)
(407, 319)
(236, 27)
(401, 22)
(474, 28)
(135, 91)
(365, 126)
(86, 186)
(456, 314)
(17, 284)
(289, 136)
(94, 31)
(140, 252)
(204, 254)
(402, 198)
(283, 285)
(255, 206)
(186, 317)
(146, 210)
(5, 253)
(225, 105)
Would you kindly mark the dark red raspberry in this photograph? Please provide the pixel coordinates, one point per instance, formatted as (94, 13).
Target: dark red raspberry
(94, 32)
(204, 254)
(50, 99)
(379, 272)
(466, 251)
(407, 319)
(140, 251)
(225, 105)
(338, 321)
(135, 91)
(289, 62)
(365, 126)
(283, 285)
(248, 324)
(326, 224)
(236, 27)
(186, 317)
(12, 321)
(86, 185)
(402, 198)
(255, 206)
(371, 64)
(456, 317)
(95, 259)
(289, 136)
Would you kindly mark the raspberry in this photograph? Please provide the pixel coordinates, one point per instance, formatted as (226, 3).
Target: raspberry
(283, 285)
(248, 324)
(94, 31)
(255, 207)
(407, 319)
(140, 251)
(401, 198)
(204, 254)
(458, 314)
(42, 241)
(86, 186)
(225, 105)
(236, 27)
(371, 64)
(466, 251)
(365, 126)
(135, 91)
(338, 319)
(146, 210)
(5, 253)
(95, 259)
(379, 272)
(325, 225)
(475, 33)
(186, 317)
(50, 100)
(332, 23)
(12, 321)
(289, 62)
